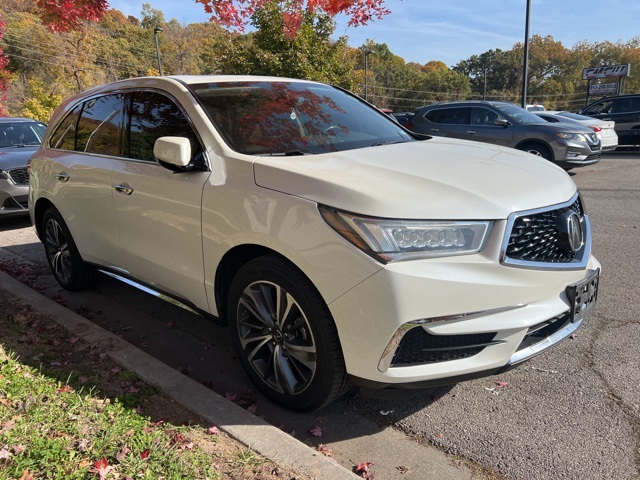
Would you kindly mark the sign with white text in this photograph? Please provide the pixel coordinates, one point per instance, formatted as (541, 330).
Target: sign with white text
(603, 89)
(606, 72)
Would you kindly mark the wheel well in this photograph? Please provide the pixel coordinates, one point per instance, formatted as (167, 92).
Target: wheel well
(232, 261)
(42, 205)
(530, 143)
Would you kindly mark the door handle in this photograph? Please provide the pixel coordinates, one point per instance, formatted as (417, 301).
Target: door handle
(471, 132)
(435, 129)
(124, 189)
(62, 176)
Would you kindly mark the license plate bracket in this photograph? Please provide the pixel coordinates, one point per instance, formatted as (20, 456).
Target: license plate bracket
(583, 295)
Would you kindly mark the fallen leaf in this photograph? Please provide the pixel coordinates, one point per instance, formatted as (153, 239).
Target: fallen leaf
(501, 383)
(73, 340)
(65, 389)
(103, 468)
(145, 454)
(363, 469)
(316, 431)
(121, 455)
(26, 475)
(5, 454)
(213, 430)
(252, 408)
(230, 396)
(133, 389)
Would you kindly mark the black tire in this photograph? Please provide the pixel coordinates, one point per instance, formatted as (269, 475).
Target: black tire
(537, 149)
(66, 264)
(284, 335)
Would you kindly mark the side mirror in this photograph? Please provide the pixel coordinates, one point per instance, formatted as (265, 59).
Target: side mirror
(173, 153)
(501, 122)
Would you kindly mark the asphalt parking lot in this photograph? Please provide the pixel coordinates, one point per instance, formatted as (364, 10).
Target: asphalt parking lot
(571, 413)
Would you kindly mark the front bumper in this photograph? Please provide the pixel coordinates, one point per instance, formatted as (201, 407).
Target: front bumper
(451, 303)
(569, 153)
(13, 198)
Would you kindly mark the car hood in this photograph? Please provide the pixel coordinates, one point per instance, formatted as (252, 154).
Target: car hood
(15, 157)
(435, 179)
(563, 127)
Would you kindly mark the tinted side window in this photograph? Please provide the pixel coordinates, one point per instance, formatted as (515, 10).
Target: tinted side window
(451, 116)
(64, 136)
(626, 105)
(99, 126)
(602, 107)
(154, 115)
(483, 116)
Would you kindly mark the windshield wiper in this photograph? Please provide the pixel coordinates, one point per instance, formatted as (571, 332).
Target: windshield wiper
(289, 153)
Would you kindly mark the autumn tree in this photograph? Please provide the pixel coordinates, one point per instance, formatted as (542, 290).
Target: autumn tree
(4, 74)
(308, 52)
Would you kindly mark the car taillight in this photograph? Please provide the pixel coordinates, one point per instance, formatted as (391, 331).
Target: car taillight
(596, 129)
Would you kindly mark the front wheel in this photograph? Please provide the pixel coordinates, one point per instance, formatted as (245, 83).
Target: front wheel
(63, 257)
(537, 149)
(284, 335)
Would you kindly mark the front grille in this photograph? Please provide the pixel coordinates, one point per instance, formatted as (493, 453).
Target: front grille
(537, 237)
(544, 330)
(19, 176)
(420, 347)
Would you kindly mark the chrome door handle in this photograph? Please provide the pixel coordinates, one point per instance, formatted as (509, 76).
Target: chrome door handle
(123, 189)
(435, 129)
(471, 132)
(62, 176)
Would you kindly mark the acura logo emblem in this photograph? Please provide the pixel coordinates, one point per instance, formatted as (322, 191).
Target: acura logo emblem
(574, 232)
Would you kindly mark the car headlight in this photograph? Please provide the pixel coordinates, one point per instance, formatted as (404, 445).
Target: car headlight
(572, 136)
(388, 240)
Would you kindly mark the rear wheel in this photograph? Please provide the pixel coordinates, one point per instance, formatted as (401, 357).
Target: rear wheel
(65, 261)
(284, 335)
(537, 149)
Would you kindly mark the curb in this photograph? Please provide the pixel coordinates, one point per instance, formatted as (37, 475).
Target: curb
(262, 437)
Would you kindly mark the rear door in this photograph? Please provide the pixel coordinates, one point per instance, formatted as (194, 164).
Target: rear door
(448, 122)
(84, 149)
(158, 210)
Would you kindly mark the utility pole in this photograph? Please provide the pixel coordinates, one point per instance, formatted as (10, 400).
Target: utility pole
(525, 68)
(366, 74)
(156, 31)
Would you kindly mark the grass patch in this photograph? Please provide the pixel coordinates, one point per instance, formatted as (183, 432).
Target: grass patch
(68, 411)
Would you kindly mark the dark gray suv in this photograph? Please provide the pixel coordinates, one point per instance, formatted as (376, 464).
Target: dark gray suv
(625, 111)
(506, 124)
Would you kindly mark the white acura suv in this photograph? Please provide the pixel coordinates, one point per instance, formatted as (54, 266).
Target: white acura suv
(339, 248)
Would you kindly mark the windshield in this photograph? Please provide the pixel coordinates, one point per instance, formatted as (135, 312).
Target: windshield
(520, 115)
(19, 134)
(289, 118)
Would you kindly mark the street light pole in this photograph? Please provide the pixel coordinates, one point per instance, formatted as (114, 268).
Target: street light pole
(156, 31)
(484, 87)
(366, 74)
(525, 67)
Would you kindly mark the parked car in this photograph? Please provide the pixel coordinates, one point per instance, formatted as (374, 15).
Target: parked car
(339, 248)
(404, 118)
(506, 124)
(604, 129)
(624, 110)
(19, 139)
(535, 107)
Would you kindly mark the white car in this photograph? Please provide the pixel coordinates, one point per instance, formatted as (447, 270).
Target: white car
(605, 130)
(339, 247)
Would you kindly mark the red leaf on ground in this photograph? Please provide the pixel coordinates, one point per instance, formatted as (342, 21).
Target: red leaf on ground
(145, 454)
(65, 389)
(230, 396)
(213, 430)
(103, 468)
(120, 456)
(74, 340)
(501, 383)
(363, 470)
(316, 431)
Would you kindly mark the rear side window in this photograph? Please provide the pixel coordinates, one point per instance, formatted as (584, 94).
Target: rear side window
(153, 115)
(99, 126)
(450, 116)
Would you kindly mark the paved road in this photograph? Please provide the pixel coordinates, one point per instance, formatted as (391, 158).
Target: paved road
(572, 413)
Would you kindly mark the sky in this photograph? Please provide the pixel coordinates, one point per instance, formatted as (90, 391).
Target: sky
(454, 30)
